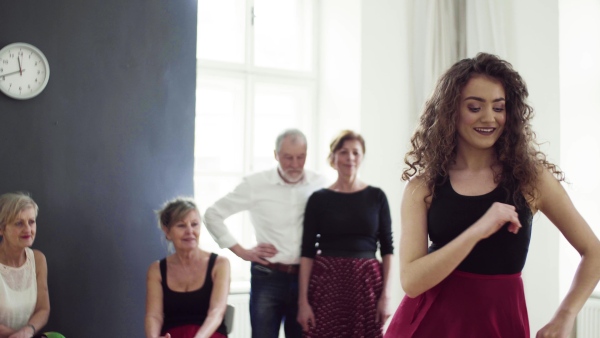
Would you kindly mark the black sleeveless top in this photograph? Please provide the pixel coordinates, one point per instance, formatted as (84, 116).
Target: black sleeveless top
(183, 308)
(450, 214)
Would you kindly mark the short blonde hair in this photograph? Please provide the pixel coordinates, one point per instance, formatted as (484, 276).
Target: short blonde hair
(174, 210)
(338, 143)
(11, 204)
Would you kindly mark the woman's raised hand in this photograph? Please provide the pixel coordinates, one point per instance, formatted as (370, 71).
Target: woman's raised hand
(496, 217)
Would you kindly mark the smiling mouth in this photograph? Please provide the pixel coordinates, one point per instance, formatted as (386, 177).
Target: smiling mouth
(485, 131)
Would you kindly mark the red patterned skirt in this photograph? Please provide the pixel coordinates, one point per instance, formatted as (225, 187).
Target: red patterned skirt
(465, 305)
(343, 293)
(189, 331)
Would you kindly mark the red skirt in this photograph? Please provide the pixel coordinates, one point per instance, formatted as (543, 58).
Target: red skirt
(465, 305)
(189, 331)
(343, 293)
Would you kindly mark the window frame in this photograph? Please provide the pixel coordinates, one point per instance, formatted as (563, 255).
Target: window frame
(251, 75)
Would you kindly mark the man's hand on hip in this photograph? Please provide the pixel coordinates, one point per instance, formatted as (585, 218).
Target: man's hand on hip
(256, 254)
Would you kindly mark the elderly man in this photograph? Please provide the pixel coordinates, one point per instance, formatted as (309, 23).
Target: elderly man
(276, 200)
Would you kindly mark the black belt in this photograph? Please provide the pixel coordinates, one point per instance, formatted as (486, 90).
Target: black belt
(347, 254)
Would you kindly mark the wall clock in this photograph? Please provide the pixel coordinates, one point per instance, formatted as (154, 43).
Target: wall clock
(24, 71)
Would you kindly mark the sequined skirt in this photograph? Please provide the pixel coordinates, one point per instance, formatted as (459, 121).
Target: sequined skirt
(343, 293)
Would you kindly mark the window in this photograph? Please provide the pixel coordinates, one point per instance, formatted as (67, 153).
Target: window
(256, 77)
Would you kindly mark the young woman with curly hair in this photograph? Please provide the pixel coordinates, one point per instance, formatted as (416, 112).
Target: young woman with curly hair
(475, 180)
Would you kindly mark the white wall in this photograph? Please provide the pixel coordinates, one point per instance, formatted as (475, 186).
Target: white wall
(388, 113)
(364, 86)
(533, 42)
(580, 114)
(339, 73)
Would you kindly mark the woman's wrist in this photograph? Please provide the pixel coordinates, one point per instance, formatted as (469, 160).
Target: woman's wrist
(302, 302)
(29, 325)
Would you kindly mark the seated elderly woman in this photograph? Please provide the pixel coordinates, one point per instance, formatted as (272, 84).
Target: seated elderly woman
(24, 301)
(186, 291)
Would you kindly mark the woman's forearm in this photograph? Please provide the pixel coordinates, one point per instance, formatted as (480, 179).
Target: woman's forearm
(211, 324)
(386, 264)
(303, 279)
(39, 319)
(426, 272)
(585, 280)
(5, 331)
(153, 326)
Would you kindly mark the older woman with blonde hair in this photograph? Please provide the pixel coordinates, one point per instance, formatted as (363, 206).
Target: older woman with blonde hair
(186, 291)
(24, 300)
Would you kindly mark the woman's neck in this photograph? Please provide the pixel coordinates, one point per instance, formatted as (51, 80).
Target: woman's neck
(14, 257)
(187, 257)
(348, 184)
(475, 159)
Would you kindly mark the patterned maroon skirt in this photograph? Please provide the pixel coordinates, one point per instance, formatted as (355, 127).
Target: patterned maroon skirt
(465, 305)
(343, 293)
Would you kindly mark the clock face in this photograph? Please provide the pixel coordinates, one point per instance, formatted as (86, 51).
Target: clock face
(24, 71)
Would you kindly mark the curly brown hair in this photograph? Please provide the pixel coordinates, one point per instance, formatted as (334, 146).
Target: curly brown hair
(434, 142)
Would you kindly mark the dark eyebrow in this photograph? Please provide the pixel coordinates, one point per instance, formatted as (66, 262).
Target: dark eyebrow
(482, 100)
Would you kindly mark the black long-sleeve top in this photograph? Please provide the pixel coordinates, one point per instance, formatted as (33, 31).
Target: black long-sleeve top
(349, 222)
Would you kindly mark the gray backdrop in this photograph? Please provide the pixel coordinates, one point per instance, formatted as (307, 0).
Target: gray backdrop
(108, 141)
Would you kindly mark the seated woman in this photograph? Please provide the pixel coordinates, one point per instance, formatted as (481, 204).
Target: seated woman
(186, 291)
(24, 301)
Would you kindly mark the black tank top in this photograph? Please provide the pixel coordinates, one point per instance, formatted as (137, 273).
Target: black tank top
(450, 214)
(183, 308)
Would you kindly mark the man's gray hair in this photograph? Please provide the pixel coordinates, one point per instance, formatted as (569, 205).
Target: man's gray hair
(295, 135)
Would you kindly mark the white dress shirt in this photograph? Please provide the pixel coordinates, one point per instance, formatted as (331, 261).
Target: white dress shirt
(276, 211)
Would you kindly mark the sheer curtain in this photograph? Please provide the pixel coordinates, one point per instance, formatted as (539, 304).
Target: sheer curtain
(484, 27)
(446, 31)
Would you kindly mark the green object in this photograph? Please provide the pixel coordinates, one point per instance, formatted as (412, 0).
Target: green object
(53, 335)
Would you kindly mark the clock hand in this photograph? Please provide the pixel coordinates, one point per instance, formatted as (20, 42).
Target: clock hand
(20, 70)
(15, 72)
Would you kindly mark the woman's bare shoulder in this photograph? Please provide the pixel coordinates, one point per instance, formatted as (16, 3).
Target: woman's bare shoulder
(222, 262)
(417, 186)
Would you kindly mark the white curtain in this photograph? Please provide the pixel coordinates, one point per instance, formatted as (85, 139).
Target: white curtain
(485, 27)
(435, 43)
(446, 31)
